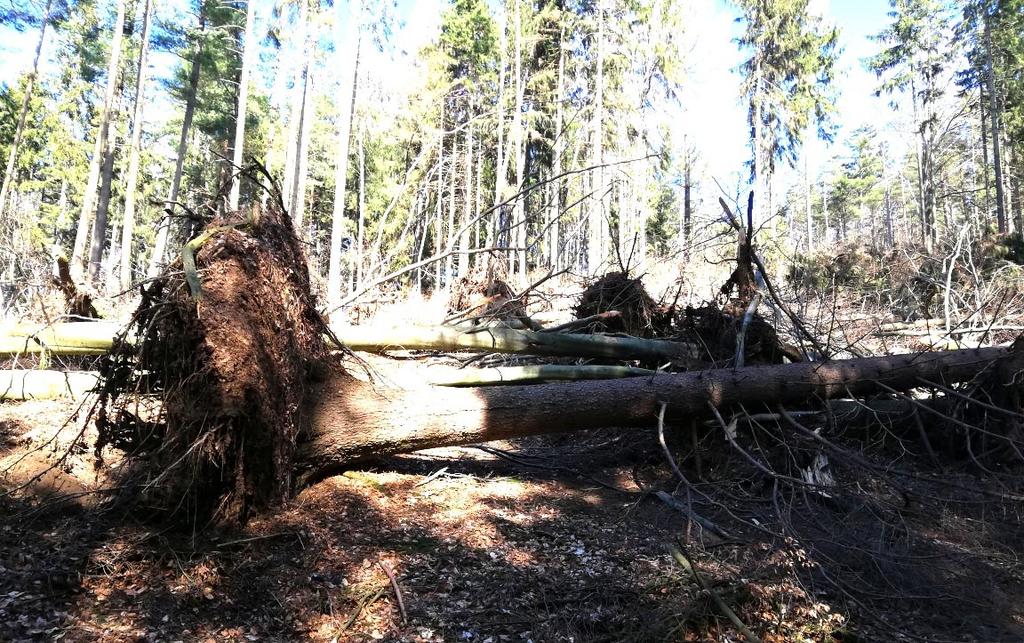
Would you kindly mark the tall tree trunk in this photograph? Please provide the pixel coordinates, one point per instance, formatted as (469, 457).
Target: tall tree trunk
(687, 207)
(556, 165)
(993, 111)
(920, 152)
(26, 99)
(467, 212)
(296, 100)
(597, 224)
(348, 62)
(449, 262)
(519, 212)
(99, 224)
(361, 207)
(439, 203)
(248, 56)
(99, 149)
(984, 150)
(156, 262)
(758, 168)
(298, 203)
(128, 220)
(807, 204)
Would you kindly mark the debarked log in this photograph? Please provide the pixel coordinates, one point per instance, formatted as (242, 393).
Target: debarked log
(21, 384)
(351, 421)
(507, 340)
(70, 338)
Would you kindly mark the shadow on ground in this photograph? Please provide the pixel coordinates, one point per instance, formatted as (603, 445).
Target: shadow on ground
(534, 543)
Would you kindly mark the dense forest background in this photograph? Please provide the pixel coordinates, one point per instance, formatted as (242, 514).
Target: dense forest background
(545, 130)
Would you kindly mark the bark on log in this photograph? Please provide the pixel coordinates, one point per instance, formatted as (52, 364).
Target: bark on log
(353, 421)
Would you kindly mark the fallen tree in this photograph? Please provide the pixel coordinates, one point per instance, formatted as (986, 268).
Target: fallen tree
(68, 338)
(507, 340)
(97, 338)
(19, 384)
(257, 403)
(353, 421)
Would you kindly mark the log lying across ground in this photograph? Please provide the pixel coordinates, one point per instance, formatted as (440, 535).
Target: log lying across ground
(45, 385)
(87, 338)
(352, 421)
(70, 338)
(506, 340)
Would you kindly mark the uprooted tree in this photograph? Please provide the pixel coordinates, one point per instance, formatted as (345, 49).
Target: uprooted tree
(257, 401)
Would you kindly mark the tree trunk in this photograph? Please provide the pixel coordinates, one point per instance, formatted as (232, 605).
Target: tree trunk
(248, 54)
(993, 111)
(467, 211)
(361, 211)
(296, 101)
(439, 203)
(99, 149)
(807, 204)
(128, 220)
(555, 232)
(19, 132)
(596, 223)
(519, 209)
(45, 385)
(353, 421)
(156, 262)
(99, 224)
(348, 62)
(298, 202)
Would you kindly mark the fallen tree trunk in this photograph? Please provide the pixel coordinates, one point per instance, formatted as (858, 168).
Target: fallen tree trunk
(353, 421)
(70, 338)
(506, 340)
(504, 375)
(97, 338)
(45, 385)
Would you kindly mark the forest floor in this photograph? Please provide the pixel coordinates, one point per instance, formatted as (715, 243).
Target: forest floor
(547, 539)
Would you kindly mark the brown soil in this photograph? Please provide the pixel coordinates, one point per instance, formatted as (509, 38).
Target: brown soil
(529, 544)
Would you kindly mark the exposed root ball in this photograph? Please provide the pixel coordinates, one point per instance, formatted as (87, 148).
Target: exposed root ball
(233, 368)
(640, 315)
(716, 331)
(484, 293)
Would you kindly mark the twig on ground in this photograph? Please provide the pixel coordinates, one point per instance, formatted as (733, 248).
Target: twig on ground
(394, 586)
(685, 562)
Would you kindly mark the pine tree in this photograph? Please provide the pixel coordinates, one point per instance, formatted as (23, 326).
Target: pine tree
(787, 82)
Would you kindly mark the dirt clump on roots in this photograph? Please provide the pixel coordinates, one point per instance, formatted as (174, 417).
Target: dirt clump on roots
(639, 316)
(233, 367)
